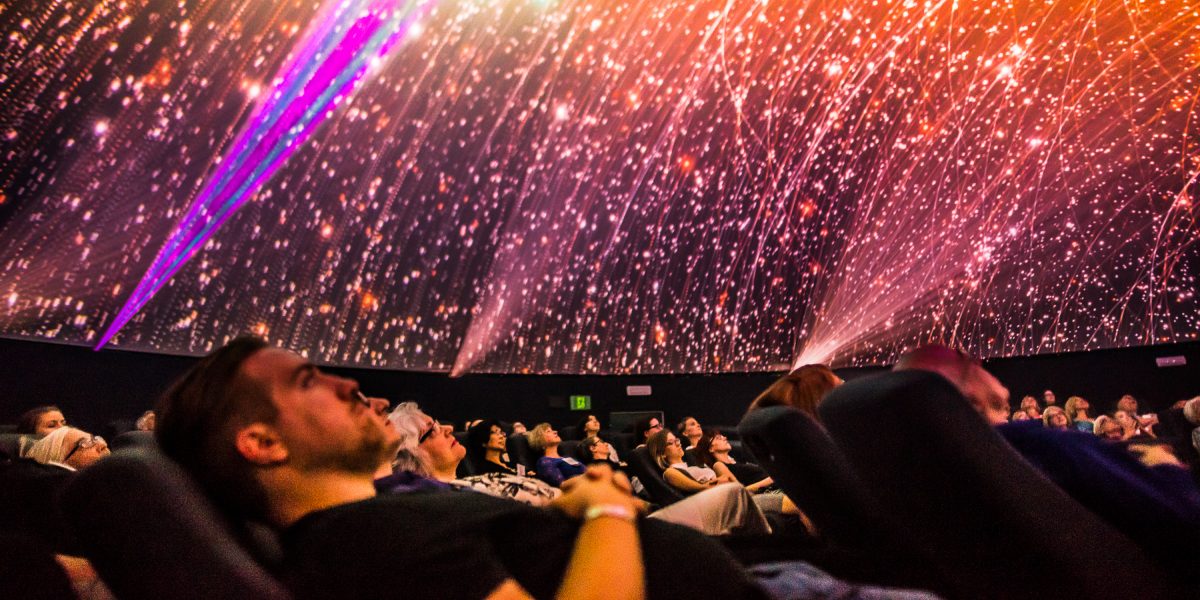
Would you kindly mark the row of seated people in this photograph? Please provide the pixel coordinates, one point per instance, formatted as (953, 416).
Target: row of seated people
(297, 459)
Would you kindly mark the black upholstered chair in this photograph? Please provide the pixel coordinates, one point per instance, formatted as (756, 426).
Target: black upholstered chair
(970, 501)
(805, 463)
(29, 571)
(569, 449)
(10, 443)
(642, 466)
(520, 453)
(139, 439)
(152, 534)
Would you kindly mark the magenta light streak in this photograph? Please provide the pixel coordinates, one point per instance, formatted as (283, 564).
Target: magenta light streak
(329, 67)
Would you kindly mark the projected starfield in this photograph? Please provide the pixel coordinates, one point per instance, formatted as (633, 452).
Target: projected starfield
(600, 187)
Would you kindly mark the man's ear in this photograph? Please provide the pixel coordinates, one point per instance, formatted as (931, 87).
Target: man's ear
(260, 444)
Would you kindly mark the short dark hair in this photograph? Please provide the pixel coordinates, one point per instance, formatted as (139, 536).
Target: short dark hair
(29, 420)
(477, 439)
(641, 427)
(198, 417)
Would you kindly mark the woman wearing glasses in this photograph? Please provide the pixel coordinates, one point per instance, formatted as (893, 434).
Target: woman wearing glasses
(712, 450)
(486, 446)
(69, 448)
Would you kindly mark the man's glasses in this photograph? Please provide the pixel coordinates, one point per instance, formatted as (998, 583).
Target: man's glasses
(428, 432)
(84, 444)
(362, 398)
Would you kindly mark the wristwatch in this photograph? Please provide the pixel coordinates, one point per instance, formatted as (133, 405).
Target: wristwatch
(615, 511)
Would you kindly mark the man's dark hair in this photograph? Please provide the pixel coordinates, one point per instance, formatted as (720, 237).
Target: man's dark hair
(198, 417)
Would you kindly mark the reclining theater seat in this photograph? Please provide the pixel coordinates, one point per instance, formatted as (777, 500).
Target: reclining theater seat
(805, 463)
(643, 467)
(994, 522)
(152, 534)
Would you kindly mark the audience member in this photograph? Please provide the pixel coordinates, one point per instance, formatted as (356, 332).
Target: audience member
(1131, 428)
(272, 436)
(666, 451)
(802, 389)
(518, 428)
(428, 459)
(712, 450)
(1020, 415)
(1048, 398)
(589, 426)
(644, 428)
(689, 432)
(487, 445)
(69, 448)
(145, 422)
(1055, 418)
(551, 467)
(41, 420)
(1029, 404)
(1109, 429)
(1077, 413)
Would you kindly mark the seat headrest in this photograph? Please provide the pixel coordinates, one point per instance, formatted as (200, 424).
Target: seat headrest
(151, 532)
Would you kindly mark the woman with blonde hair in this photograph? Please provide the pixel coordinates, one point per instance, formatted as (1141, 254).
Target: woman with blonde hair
(551, 467)
(1055, 418)
(1076, 409)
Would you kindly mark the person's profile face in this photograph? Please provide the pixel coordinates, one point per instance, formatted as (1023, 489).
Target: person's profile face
(85, 449)
(1113, 431)
(599, 450)
(674, 451)
(49, 421)
(655, 427)
(691, 428)
(496, 439)
(441, 448)
(322, 419)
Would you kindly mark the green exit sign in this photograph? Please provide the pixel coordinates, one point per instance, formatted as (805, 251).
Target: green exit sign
(581, 403)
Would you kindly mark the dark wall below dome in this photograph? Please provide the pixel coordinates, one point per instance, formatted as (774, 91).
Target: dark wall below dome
(95, 388)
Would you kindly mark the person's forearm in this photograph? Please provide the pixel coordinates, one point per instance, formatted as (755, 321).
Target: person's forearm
(606, 562)
(684, 483)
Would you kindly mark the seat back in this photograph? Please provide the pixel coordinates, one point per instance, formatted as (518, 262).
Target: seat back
(520, 453)
(10, 444)
(642, 466)
(569, 448)
(134, 438)
(29, 571)
(805, 463)
(970, 500)
(151, 533)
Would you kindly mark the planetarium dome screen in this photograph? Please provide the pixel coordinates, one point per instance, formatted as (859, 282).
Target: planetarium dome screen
(600, 186)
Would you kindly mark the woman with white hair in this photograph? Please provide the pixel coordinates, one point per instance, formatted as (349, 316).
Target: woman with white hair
(428, 459)
(66, 447)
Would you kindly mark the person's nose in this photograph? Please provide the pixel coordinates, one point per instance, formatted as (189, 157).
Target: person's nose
(379, 405)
